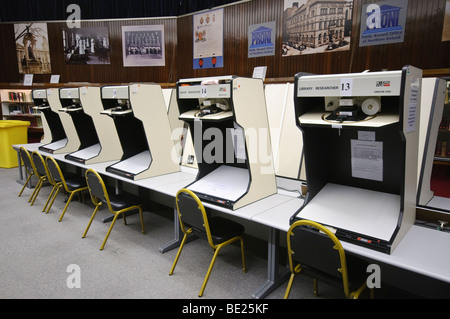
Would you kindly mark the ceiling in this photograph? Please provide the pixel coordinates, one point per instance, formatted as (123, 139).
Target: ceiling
(56, 10)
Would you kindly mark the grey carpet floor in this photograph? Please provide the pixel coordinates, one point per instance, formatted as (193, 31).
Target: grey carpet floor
(38, 254)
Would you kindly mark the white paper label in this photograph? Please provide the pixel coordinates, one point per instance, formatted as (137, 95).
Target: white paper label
(367, 159)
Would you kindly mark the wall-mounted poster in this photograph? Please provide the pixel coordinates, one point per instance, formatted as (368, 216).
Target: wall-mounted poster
(446, 30)
(383, 22)
(143, 45)
(87, 45)
(316, 26)
(261, 39)
(33, 54)
(208, 39)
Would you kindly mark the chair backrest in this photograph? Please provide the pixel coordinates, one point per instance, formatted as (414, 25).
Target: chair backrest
(27, 160)
(55, 171)
(97, 187)
(192, 214)
(311, 244)
(39, 164)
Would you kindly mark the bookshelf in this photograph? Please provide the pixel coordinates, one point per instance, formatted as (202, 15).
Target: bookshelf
(18, 105)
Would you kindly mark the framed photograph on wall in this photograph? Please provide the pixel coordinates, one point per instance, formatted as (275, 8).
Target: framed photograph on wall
(33, 53)
(311, 27)
(446, 28)
(87, 45)
(143, 45)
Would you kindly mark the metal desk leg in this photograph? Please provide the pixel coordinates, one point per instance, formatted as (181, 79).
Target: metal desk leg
(19, 160)
(274, 278)
(22, 177)
(178, 235)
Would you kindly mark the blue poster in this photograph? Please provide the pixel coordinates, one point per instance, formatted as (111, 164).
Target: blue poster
(383, 22)
(261, 39)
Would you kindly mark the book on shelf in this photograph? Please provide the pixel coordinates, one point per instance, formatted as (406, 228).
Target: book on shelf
(19, 96)
(442, 149)
(445, 124)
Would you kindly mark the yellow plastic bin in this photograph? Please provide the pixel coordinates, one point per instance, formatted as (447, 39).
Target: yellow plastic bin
(11, 133)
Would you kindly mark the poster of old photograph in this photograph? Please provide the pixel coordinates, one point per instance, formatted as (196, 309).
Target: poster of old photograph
(316, 26)
(143, 45)
(33, 53)
(446, 29)
(87, 45)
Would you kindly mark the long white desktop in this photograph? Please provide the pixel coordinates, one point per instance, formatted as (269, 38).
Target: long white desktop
(422, 258)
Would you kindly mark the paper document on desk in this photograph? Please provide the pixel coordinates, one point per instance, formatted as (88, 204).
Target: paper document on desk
(224, 182)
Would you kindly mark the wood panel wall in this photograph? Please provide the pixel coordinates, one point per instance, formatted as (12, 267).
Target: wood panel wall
(422, 47)
(114, 72)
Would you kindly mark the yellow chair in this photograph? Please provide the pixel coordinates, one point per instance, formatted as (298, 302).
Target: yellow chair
(218, 231)
(29, 168)
(54, 185)
(72, 185)
(117, 204)
(41, 172)
(320, 255)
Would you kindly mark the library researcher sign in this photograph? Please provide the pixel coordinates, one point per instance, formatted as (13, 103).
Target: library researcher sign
(383, 22)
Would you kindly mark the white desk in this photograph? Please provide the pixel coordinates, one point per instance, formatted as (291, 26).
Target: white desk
(170, 184)
(167, 184)
(421, 259)
(378, 219)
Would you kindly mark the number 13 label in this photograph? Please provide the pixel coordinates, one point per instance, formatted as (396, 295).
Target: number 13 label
(346, 87)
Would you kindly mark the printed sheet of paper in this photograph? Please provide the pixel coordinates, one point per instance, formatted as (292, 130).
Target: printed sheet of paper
(367, 159)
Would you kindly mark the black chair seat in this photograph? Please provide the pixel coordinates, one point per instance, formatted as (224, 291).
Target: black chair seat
(315, 251)
(219, 232)
(75, 183)
(70, 185)
(123, 200)
(223, 229)
(356, 271)
(117, 204)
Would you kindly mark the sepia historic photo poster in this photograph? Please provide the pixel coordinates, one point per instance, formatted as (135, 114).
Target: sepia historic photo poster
(33, 53)
(316, 26)
(143, 45)
(208, 39)
(446, 29)
(88, 45)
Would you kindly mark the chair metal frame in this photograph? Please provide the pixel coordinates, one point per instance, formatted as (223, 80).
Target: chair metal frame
(60, 183)
(42, 176)
(98, 203)
(189, 231)
(29, 168)
(52, 192)
(342, 257)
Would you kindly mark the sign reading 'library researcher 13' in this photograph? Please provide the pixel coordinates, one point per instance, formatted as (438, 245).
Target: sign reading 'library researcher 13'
(383, 22)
